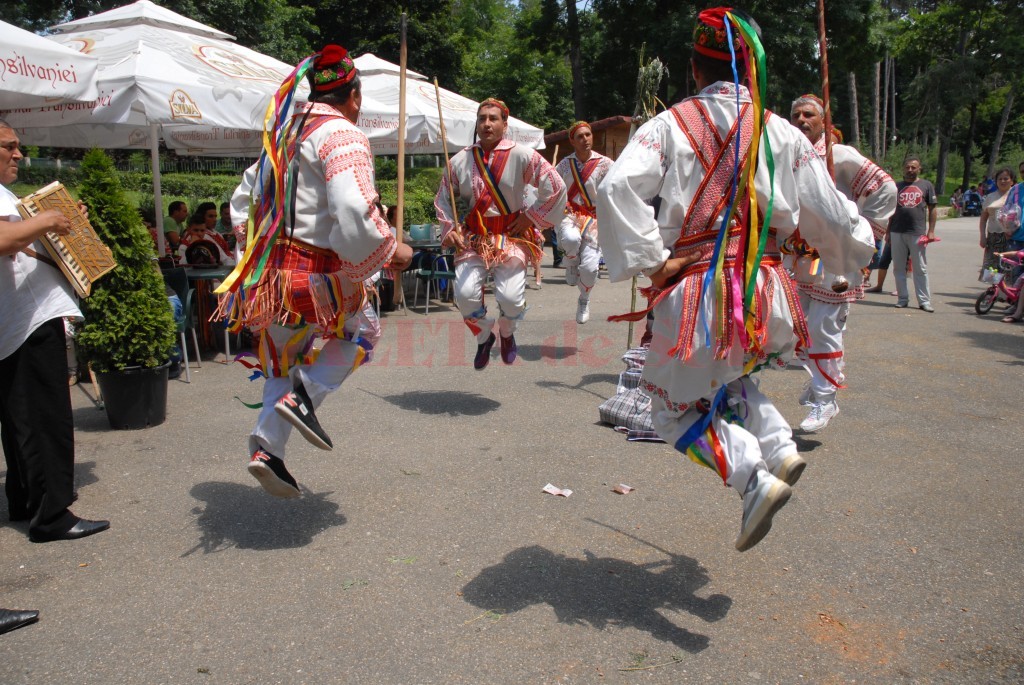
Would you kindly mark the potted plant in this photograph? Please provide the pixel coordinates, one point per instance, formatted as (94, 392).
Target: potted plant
(129, 330)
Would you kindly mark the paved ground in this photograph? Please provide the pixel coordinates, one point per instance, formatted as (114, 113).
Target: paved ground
(423, 550)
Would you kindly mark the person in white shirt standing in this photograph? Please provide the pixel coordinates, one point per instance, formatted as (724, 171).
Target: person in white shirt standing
(35, 405)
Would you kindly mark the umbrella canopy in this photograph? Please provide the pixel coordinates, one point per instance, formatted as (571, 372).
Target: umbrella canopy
(35, 71)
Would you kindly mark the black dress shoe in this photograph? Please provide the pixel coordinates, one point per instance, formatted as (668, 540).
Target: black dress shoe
(11, 619)
(81, 529)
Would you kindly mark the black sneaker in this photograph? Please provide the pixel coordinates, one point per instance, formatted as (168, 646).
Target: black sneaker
(483, 353)
(297, 409)
(272, 475)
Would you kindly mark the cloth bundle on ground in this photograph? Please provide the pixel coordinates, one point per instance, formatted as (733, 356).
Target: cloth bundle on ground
(629, 410)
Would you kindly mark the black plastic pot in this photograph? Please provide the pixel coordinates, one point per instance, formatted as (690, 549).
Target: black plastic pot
(135, 397)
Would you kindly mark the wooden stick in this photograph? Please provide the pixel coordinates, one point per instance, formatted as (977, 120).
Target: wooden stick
(398, 296)
(823, 50)
(447, 162)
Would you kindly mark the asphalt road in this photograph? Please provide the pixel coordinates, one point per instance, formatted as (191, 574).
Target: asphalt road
(423, 550)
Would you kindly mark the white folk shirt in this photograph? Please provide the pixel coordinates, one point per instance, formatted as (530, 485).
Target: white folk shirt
(874, 191)
(528, 184)
(659, 161)
(335, 203)
(31, 292)
(564, 170)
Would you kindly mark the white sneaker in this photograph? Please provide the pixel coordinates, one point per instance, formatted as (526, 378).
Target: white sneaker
(807, 396)
(572, 274)
(583, 311)
(764, 496)
(819, 417)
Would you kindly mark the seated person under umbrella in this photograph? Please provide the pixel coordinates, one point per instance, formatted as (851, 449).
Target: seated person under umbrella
(201, 244)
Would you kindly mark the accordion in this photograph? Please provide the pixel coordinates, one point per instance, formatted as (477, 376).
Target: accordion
(81, 255)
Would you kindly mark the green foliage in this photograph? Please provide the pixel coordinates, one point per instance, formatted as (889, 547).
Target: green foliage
(420, 187)
(38, 176)
(128, 321)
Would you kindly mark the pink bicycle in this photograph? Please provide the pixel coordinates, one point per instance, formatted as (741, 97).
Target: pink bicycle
(997, 289)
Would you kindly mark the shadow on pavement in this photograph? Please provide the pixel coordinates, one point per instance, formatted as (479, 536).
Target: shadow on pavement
(450, 402)
(601, 592)
(1006, 339)
(246, 517)
(587, 379)
(803, 442)
(84, 475)
(534, 353)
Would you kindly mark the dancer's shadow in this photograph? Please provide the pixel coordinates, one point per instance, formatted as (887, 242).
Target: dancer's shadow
(534, 353)
(587, 379)
(803, 442)
(599, 592)
(450, 402)
(246, 517)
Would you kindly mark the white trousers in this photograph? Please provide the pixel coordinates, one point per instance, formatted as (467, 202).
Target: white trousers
(582, 253)
(509, 291)
(826, 324)
(904, 244)
(337, 360)
(762, 439)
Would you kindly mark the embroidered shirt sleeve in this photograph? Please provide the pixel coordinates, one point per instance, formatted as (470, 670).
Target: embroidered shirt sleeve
(551, 195)
(361, 236)
(442, 201)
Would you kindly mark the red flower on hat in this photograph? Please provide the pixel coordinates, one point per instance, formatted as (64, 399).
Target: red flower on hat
(331, 55)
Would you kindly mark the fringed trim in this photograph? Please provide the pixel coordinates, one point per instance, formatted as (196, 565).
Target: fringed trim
(291, 298)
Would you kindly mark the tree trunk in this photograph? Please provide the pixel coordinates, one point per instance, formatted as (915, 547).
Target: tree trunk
(969, 145)
(885, 108)
(994, 157)
(854, 114)
(940, 168)
(875, 112)
(892, 101)
(575, 63)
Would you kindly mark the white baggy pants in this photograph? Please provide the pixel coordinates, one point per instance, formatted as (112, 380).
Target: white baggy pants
(583, 253)
(509, 291)
(337, 359)
(763, 438)
(826, 323)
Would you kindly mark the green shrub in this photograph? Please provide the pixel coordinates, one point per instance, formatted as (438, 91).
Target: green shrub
(420, 187)
(128, 320)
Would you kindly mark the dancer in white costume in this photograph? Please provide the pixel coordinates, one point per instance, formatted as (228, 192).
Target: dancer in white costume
(495, 230)
(582, 172)
(706, 344)
(874, 191)
(308, 265)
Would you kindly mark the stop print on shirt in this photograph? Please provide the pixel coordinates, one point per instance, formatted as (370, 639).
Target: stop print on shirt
(910, 197)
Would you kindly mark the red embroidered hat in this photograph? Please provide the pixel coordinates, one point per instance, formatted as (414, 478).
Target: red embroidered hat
(332, 69)
(494, 102)
(710, 37)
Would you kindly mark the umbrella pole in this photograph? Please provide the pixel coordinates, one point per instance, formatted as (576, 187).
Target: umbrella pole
(399, 290)
(158, 200)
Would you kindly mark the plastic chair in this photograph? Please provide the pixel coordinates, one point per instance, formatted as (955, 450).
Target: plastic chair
(178, 282)
(436, 272)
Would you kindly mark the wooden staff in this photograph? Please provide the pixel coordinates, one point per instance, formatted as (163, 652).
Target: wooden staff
(398, 296)
(447, 162)
(823, 50)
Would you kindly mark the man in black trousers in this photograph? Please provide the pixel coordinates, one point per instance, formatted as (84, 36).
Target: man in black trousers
(36, 424)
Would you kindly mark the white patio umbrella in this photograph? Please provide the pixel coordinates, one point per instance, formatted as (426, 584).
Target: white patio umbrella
(35, 71)
(381, 85)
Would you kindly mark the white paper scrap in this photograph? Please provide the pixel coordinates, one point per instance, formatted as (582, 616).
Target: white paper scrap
(623, 489)
(553, 490)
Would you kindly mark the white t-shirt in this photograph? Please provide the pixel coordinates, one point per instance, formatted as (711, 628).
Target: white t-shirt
(31, 292)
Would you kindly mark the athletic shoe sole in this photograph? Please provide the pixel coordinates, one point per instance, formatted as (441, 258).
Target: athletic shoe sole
(790, 469)
(270, 482)
(764, 509)
(308, 433)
